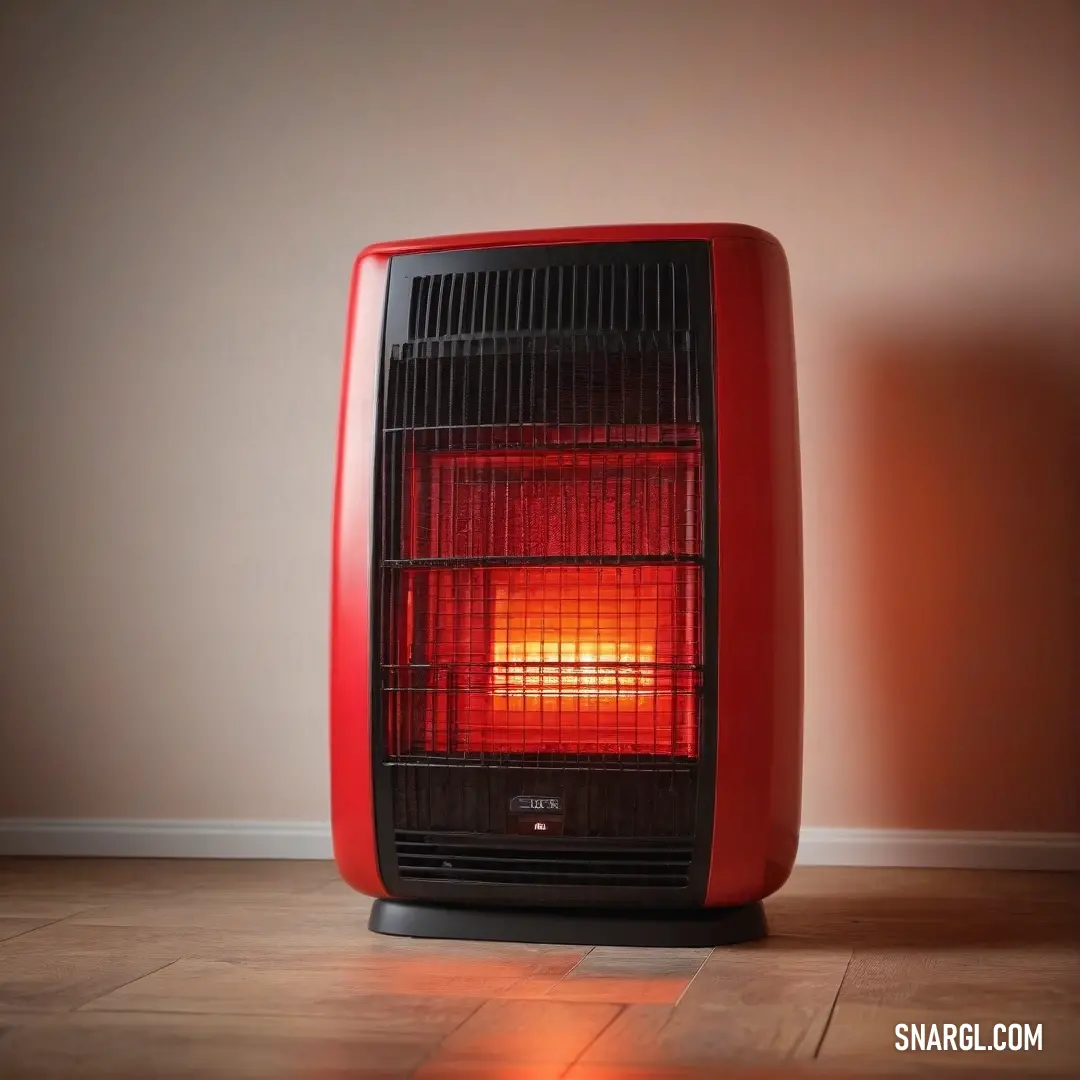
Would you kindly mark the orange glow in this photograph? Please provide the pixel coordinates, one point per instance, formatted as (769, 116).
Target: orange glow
(552, 639)
(564, 660)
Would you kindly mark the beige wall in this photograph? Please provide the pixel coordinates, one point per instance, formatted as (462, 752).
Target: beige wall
(183, 186)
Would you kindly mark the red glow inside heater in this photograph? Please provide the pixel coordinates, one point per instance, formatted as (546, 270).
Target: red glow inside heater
(550, 639)
(587, 639)
(583, 661)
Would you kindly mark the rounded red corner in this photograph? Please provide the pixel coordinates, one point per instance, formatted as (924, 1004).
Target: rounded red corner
(760, 698)
(351, 787)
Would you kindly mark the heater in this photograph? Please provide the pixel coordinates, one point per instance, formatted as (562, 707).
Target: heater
(566, 686)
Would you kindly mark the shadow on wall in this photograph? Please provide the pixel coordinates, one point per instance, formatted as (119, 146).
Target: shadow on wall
(968, 535)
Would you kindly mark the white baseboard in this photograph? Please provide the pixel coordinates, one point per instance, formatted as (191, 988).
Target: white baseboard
(311, 840)
(947, 850)
(130, 839)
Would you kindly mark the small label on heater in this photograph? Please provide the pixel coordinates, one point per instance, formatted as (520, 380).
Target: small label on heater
(536, 804)
(531, 826)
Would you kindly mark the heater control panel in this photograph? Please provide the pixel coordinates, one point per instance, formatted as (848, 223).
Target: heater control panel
(537, 815)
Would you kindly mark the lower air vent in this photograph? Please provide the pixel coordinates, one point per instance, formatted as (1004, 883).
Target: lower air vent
(463, 857)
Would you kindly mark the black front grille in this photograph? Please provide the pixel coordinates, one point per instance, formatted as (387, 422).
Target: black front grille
(491, 392)
(541, 593)
(465, 858)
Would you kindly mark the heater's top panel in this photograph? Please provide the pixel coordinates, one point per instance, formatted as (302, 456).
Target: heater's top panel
(588, 234)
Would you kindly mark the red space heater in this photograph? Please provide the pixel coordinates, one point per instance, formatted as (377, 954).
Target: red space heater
(566, 689)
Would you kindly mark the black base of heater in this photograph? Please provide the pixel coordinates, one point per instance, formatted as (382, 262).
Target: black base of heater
(694, 929)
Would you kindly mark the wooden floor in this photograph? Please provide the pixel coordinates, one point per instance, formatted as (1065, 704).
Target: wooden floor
(266, 970)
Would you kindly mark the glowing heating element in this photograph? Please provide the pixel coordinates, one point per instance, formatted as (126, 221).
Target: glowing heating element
(591, 644)
(588, 660)
(556, 640)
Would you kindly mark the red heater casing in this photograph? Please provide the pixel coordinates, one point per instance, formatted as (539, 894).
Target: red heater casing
(566, 640)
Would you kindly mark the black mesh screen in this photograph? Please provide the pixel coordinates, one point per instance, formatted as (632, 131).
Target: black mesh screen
(540, 580)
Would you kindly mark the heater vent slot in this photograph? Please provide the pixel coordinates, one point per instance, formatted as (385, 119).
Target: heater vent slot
(553, 299)
(532, 391)
(477, 860)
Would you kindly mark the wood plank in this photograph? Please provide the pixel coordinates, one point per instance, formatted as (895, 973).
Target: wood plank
(95, 880)
(264, 987)
(134, 1046)
(701, 1036)
(631, 976)
(756, 1001)
(439, 968)
(767, 973)
(964, 978)
(925, 909)
(729, 1071)
(903, 883)
(62, 981)
(296, 920)
(16, 927)
(520, 1032)
(47, 908)
(473, 1069)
